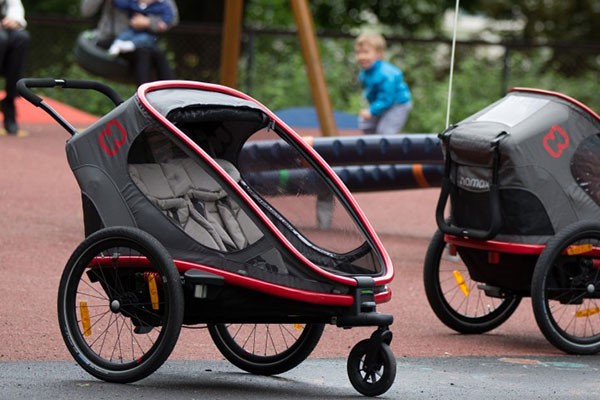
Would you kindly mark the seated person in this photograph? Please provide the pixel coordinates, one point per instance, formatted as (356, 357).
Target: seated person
(148, 62)
(131, 39)
(14, 41)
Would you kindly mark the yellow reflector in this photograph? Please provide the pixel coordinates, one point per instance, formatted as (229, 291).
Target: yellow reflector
(153, 291)
(579, 249)
(85, 318)
(461, 282)
(298, 327)
(587, 312)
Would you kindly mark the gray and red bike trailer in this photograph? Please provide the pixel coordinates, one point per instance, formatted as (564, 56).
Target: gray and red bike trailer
(181, 231)
(519, 216)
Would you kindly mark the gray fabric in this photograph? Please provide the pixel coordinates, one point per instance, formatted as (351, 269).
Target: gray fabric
(537, 135)
(390, 122)
(178, 186)
(229, 220)
(167, 100)
(151, 180)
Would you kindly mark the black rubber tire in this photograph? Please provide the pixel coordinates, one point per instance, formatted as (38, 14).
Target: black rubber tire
(458, 314)
(553, 302)
(276, 354)
(97, 61)
(371, 381)
(127, 333)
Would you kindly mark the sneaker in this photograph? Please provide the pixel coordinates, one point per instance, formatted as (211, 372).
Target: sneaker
(10, 121)
(114, 48)
(121, 46)
(127, 46)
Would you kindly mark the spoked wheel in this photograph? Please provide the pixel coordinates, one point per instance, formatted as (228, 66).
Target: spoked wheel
(120, 304)
(565, 289)
(455, 298)
(266, 349)
(371, 376)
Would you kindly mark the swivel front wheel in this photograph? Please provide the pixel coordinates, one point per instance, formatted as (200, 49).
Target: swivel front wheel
(371, 371)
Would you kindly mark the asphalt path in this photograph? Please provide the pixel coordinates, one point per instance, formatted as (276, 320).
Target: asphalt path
(41, 224)
(443, 378)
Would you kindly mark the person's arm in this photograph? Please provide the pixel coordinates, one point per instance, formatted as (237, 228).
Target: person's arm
(154, 23)
(15, 15)
(167, 14)
(89, 8)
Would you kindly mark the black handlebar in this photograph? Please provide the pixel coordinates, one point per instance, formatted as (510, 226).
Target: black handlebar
(24, 87)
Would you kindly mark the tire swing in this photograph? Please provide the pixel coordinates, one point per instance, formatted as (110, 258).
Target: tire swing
(96, 60)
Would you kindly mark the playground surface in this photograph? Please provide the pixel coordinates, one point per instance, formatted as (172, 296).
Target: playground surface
(41, 224)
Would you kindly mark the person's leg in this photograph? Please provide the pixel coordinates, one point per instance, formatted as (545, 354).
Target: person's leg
(3, 46)
(160, 62)
(394, 119)
(142, 65)
(123, 43)
(143, 39)
(14, 66)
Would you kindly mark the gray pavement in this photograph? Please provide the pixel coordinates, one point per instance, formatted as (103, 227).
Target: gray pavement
(560, 377)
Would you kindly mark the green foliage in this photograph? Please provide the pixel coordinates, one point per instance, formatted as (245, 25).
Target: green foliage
(397, 16)
(278, 78)
(48, 7)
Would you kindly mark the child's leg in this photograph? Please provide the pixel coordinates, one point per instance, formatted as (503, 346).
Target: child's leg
(143, 39)
(394, 119)
(124, 43)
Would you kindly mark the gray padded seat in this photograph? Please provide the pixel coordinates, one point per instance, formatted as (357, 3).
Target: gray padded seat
(234, 227)
(151, 180)
(189, 196)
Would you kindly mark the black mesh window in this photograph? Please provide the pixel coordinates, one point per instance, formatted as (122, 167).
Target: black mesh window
(585, 166)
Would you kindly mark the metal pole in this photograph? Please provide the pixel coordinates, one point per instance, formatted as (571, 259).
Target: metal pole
(314, 69)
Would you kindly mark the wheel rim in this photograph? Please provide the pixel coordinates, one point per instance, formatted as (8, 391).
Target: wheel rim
(112, 319)
(461, 294)
(572, 292)
(264, 343)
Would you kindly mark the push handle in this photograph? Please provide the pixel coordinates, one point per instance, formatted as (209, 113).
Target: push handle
(24, 87)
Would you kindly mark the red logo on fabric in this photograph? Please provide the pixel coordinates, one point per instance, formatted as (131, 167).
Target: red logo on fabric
(112, 137)
(556, 141)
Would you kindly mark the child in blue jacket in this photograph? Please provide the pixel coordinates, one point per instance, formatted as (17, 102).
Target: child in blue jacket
(131, 39)
(383, 84)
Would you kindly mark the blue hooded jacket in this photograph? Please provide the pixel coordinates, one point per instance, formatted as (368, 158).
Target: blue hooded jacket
(383, 86)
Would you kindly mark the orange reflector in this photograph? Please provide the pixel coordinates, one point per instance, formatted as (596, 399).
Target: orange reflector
(579, 249)
(587, 312)
(153, 291)
(85, 318)
(461, 282)
(298, 327)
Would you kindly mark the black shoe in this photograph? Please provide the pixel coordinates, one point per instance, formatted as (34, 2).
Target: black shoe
(10, 122)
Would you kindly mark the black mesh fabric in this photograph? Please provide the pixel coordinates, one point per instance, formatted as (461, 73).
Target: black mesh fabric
(585, 166)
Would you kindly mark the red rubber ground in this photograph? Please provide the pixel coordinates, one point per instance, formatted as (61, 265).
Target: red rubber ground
(41, 224)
